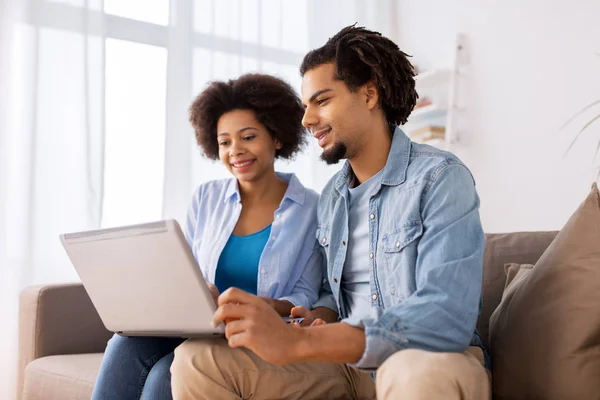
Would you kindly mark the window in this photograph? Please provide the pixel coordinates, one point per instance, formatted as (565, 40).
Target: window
(148, 55)
(136, 85)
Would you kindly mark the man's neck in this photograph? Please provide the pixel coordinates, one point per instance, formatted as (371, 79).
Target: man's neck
(373, 153)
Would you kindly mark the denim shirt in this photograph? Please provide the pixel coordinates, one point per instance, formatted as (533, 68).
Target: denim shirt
(290, 266)
(425, 252)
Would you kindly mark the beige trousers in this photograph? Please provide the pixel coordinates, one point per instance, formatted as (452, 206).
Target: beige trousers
(210, 369)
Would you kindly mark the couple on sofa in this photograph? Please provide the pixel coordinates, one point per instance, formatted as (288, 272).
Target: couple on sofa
(389, 290)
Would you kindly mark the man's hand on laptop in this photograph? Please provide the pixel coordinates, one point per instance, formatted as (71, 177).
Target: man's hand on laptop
(252, 323)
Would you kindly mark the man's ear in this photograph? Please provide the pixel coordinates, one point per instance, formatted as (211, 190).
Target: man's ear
(371, 94)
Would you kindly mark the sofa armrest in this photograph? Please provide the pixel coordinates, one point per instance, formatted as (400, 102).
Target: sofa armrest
(57, 319)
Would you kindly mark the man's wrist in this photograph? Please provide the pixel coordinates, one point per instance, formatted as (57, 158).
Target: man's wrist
(337, 342)
(301, 345)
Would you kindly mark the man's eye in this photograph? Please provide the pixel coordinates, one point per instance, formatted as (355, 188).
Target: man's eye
(321, 101)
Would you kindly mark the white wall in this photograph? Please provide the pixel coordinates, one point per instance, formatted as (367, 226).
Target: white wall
(532, 65)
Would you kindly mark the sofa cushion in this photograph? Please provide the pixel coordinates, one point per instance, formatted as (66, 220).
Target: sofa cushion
(545, 334)
(66, 377)
(500, 249)
(515, 273)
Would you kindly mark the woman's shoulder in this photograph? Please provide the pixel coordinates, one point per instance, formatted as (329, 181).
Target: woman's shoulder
(214, 189)
(311, 198)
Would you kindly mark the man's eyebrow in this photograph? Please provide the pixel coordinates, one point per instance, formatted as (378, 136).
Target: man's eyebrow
(317, 94)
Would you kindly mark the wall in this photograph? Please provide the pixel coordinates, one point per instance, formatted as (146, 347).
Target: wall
(532, 66)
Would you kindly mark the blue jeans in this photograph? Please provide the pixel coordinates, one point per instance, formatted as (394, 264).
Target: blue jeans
(136, 368)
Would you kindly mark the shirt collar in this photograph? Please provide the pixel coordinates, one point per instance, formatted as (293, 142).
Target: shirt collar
(394, 171)
(296, 192)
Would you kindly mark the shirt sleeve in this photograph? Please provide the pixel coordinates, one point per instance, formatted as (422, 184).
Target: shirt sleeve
(306, 290)
(191, 220)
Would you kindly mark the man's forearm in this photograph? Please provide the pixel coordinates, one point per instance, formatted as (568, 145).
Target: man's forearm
(335, 342)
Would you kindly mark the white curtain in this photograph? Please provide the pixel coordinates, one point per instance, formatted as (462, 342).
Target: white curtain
(93, 114)
(51, 130)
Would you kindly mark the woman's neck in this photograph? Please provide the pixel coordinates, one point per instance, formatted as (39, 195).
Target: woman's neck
(268, 188)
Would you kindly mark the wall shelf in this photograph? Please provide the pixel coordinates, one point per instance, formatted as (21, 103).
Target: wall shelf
(441, 87)
(426, 113)
(433, 77)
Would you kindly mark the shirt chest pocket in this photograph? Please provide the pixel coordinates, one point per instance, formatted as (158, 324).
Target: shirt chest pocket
(399, 249)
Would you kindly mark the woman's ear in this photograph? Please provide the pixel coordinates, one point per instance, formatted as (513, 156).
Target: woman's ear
(278, 145)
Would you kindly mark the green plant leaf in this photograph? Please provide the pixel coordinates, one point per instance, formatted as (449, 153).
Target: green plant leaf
(584, 109)
(597, 117)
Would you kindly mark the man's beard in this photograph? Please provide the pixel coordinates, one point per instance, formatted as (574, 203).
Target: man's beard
(335, 153)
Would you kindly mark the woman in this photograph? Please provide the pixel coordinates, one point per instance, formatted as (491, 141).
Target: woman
(255, 231)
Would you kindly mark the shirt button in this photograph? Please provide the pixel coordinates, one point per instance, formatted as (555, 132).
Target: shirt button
(397, 244)
(263, 271)
(371, 255)
(334, 280)
(343, 242)
(324, 240)
(372, 216)
(274, 237)
(374, 297)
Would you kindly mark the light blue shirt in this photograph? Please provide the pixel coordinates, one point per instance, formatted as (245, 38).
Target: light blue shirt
(357, 274)
(290, 263)
(425, 253)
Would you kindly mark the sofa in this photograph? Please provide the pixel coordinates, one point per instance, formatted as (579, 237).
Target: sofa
(61, 337)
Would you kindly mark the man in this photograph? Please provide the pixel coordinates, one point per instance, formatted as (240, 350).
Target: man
(400, 229)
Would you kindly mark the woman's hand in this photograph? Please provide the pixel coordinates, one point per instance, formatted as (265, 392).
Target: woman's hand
(282, 307)
(309, 317)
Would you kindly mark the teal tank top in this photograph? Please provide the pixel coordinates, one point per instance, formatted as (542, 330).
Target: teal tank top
(238, 263)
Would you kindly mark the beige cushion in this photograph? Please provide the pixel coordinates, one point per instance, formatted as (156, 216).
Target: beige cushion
(545, 334)
(515, 273)
(68, 377)
(502, 248)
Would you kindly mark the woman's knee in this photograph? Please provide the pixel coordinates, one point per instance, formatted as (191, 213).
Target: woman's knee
(158, 382)
(127, 346)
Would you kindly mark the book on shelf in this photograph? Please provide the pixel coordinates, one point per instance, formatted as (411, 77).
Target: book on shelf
(428, 133)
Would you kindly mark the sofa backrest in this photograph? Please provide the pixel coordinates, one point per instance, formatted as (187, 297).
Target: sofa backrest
(500, 249)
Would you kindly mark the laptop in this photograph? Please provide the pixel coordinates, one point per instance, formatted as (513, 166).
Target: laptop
(143, 280)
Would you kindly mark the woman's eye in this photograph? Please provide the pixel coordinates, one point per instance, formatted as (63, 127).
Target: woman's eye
(249, 137)
(224, 143)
